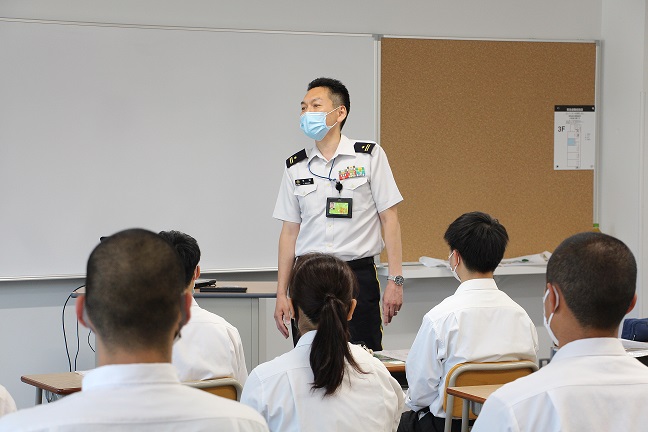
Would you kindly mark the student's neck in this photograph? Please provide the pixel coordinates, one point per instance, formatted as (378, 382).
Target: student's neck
(574, 331)
(110, 355)
(329, 144)
(466, 276)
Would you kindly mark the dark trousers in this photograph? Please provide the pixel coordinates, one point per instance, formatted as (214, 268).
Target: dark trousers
(428, 423)
(366, 324)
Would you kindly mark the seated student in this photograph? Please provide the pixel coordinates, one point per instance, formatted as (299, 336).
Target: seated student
(136, 303)
(324, 383)
(478, 323)
(7, 404)
(209, 346)
(591, 383)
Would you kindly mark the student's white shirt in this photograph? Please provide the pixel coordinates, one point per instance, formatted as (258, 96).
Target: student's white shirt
(141, 397)
(281, 391)
(479, 323)
(590, 385)
(7, 404)
(209, 347)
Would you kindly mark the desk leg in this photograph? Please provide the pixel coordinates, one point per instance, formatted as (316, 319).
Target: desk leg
(39, 396)
(465, 415)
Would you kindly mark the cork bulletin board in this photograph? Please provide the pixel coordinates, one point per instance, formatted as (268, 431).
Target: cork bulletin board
(468, 125)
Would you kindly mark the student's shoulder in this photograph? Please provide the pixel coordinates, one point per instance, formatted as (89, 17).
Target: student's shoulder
(278, 366)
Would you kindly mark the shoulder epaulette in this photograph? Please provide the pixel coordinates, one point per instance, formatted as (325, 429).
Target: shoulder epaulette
(364, 147)
(297, 157)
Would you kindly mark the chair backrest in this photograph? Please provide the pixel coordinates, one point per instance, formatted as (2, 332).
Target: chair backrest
(225, 387)
(472, 374)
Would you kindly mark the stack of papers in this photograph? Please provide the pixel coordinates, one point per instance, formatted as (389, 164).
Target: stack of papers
(535, 259)
(532, 260)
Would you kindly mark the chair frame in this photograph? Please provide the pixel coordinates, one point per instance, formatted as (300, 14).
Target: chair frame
(214, 386)
(496, 367)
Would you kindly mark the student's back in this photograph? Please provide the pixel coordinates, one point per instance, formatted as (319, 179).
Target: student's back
(325, 383)
(137, 397)
(209, 346)
(478, 323)
(281, 391)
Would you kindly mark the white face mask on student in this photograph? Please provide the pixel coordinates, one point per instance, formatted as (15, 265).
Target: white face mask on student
(547, 322)
(454, 270)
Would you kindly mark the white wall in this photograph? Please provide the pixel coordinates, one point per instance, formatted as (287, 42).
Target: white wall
(31, 340)
(555, 19)
(643, 180)
(620, 167)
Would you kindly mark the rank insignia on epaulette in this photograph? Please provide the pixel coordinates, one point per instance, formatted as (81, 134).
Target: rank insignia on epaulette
(297, 157)
(364, 147)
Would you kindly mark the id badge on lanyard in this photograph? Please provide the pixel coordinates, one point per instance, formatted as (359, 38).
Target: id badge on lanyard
(339, 207)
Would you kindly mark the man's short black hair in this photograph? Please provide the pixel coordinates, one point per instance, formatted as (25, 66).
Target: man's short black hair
(134, 287)
(338, 91)
(480, 239)
(187, 248)
(597, 275)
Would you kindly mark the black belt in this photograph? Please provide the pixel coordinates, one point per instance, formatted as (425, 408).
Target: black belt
(361, 263)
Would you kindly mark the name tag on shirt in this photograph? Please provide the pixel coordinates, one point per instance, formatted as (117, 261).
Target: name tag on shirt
(304, 181)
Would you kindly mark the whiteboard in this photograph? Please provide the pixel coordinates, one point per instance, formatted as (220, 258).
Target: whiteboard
(104, 128)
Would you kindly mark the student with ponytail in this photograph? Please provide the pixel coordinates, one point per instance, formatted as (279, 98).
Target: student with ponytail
(324, 383)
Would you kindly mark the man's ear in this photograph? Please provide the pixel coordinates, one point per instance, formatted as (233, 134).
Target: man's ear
(197, 272)
(342, 113)
(632, 303)
(185, 307)
(553, 298)
(81, 313)
(354, 303)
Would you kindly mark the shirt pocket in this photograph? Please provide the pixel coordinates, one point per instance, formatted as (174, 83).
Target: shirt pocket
(307, 197)
(360, 190)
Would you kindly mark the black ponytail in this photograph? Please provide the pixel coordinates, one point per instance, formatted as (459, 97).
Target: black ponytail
(323, 288)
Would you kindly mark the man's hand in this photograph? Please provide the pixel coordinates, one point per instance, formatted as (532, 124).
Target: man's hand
(283, 314)
(392, 301)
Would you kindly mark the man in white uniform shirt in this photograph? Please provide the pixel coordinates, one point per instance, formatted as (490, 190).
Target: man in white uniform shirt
(135, 303)
(335, 198)
(591, 383)
(479, 323)
(209, 346)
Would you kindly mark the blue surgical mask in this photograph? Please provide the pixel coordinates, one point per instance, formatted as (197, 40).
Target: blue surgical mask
(314, 124)
(547, 322)
(454, 270)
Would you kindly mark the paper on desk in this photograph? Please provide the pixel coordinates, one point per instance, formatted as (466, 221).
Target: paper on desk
(635, 348)
(535, 259)
(400, 354)
(433, 262)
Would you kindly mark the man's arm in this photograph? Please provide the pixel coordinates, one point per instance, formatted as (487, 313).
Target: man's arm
(283, 309)
(393, 295)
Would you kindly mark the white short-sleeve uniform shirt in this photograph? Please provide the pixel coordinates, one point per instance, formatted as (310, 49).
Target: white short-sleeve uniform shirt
(281, 391)
(209, 347)
(590, 385)
(305, 188)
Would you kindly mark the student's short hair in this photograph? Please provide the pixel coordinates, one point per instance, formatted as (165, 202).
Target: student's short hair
(134, 287)
(338, 91)
(188, 249)
(323, 287)
(480, 239)
(597, 276)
